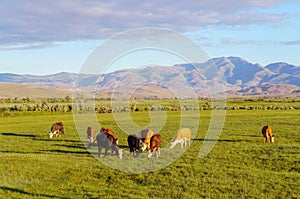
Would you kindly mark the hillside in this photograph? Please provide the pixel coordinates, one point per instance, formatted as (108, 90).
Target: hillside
(21, 91)
(240, 78)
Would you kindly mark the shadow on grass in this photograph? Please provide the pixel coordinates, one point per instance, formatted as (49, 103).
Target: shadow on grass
(219, 140)
(123, 146)
(18, 135)
(67, 152)
(246, 135)
(71, 146)
(20, 191)
(57, 140)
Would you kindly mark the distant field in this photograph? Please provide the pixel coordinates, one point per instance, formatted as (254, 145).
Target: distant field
(239, 166)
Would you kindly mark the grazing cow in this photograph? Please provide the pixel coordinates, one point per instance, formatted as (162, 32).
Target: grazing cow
(107, 142)
(267, 133)
(183, 136)
(90, 134)
(134, 144)
(155, 143)
(145, 136)
(108, 131)
(56, 129)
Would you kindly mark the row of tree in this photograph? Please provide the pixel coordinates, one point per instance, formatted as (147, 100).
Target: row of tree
(98, 109)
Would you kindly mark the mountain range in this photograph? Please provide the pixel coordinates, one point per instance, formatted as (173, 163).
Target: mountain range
(238, 76)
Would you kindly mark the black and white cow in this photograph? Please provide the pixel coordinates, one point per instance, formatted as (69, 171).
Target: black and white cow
(134, 144)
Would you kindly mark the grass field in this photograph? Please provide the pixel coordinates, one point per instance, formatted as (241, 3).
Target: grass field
(239, 166)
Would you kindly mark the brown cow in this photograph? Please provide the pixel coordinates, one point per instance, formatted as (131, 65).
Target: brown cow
(56, 129)
(90, 132)
(108, 131)
(267, 133)
(155, 143)
(145, 136)
(108, 142)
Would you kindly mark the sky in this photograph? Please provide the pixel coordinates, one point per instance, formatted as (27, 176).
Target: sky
(46, 37)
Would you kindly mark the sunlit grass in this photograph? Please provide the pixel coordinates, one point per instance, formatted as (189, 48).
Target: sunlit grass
(239, 166)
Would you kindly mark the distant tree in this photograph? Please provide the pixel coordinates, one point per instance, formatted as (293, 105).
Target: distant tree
(68, 99)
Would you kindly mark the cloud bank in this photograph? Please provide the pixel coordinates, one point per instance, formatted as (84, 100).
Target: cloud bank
(39, 21)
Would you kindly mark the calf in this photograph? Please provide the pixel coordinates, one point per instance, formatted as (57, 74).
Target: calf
(155, 143)
(90, 132)
(108, 131)
(107, 142)
(56, 129)
(183, 136)
(145, 136)
(267, 133)
(134, 144)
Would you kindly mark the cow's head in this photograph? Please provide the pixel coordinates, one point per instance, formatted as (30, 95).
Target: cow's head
(272, 138)
(143, 146)
(52, 133)
(172, 144)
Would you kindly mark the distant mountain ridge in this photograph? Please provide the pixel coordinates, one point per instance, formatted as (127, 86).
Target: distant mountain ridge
(240, 78)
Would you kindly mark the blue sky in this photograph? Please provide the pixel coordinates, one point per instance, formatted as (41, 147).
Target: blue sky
(43, 37)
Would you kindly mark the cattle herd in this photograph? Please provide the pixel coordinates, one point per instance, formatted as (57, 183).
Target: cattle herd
(144, 140)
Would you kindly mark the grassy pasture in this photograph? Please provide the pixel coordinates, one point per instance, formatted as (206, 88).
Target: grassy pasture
(239, 166)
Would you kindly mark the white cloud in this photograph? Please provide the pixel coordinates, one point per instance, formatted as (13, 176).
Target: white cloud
(50, 21)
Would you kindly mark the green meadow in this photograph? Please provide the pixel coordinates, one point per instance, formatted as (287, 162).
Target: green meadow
(239, 166)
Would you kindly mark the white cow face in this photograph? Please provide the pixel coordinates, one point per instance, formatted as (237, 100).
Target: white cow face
(172, 144)
(51, 134)
(143, 146)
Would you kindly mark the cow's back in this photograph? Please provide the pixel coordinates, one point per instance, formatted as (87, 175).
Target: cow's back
(58, 126)
(184, 133)
(146, 134)
(266, 130)
(110, 132)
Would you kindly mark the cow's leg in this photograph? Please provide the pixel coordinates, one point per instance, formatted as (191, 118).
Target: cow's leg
(105, 152)
(182, 142)
(157, 152)
(132, 151)
(99, 151)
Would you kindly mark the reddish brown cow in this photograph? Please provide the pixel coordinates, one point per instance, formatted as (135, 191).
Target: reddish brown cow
(56, 129)
(267, 133)
(155, 143)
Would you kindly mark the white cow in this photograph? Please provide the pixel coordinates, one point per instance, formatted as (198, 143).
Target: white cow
(183, 135)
